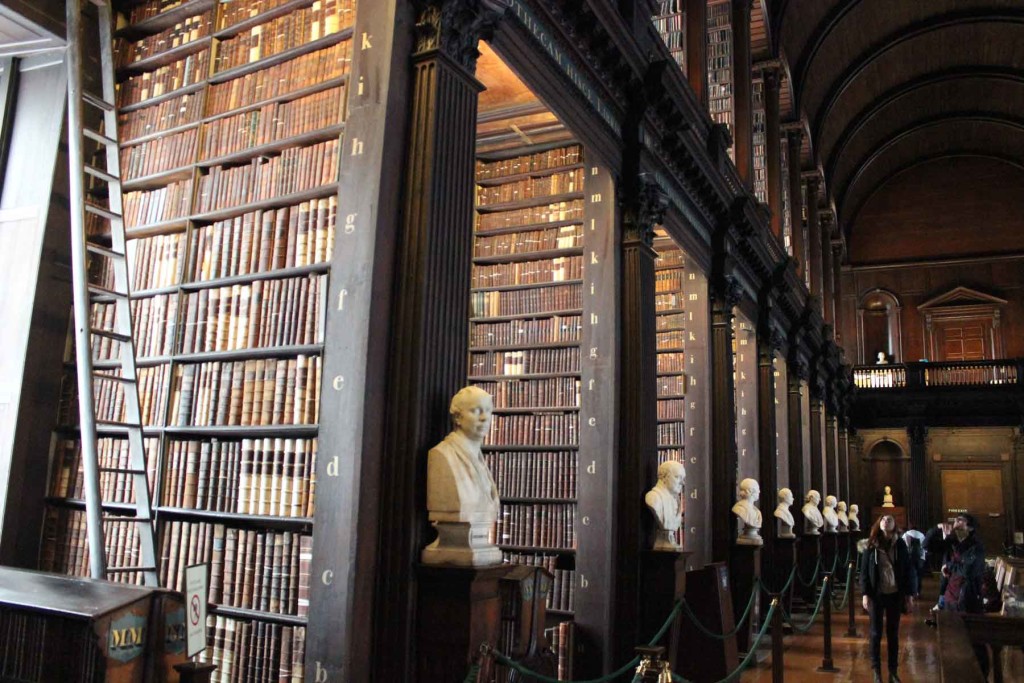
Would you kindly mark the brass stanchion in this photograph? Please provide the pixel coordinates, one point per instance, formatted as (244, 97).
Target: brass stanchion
(777, 644)
(826, 660)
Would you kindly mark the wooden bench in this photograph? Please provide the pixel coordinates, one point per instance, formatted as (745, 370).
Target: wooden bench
(956, 656)
(996, 631)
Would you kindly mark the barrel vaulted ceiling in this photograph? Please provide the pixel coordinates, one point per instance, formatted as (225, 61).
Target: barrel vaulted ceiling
(888, 86)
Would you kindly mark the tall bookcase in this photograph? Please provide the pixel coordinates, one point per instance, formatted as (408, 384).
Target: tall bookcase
(670, 22)
(760, 155)
(720, 76)
(232, 116)
(670, 323)
(526, 308)
(787, 218)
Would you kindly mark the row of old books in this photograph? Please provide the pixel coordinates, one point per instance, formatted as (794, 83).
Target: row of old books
(526, 301)
(562, 182)
(671, 385)
(189, 70)
(272, 122)
(254, 651)
(554, 212)
(268, 476)
(109, 397)
(671, 433)
(562, 641)
(668, 280)
(559, 328)
(66, 545)
(540, 429)
(541, 525)
(671, 409)
(557, 269)
(268, 239)
(565, 237)
(154, 206)
(297, 169)
(24, 635)
(116, 483)
(667, 321)
(156, 261)
(185, 31)
(255, 392)
(260, 314)
(543, 474)
(539, 161)
(668, 301)
(156, 155)
(303, 25)
(534, 393)
(170, 113)
(672, 362)
(672, 340)
(147, 9)
(528, 362)
(262, 570)
(153, 320)
(562, 593)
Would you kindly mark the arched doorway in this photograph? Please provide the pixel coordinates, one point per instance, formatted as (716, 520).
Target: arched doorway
(878, 327)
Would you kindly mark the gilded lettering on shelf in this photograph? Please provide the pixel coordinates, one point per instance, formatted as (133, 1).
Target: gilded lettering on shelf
(365, 45)
(586, 520)
(360, 86)
(321, 674)
(595, 198)
(693, 405)
(593, 224)
(693, 337)
(590, 385)
(693, 431)
(592, 421)
(592, 289)
(332, 467)
(350, 223)
(593, 353)
(327, 577)
(593, 318)
(594, 170)
(338, 383)
(592, 467)
(584, 581)
(357, 147)
(693, 460)
(593, 258)
(341, 299)
(691, 276)
(693, 381)
(693, 297)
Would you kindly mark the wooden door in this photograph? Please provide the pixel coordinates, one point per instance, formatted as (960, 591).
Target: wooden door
(980, 492)
(964, 341)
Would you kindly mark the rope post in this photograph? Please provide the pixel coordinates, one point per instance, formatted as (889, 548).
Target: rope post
(778, 674)
(826, 660)
(851, 631)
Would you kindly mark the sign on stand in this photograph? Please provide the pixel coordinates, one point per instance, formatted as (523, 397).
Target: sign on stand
(195, 608)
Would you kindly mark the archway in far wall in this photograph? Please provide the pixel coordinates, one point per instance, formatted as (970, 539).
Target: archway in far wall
(887, 465)
(878, 327)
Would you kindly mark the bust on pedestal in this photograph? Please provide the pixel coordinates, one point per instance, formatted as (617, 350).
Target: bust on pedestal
(663, 501)
(748, 514)
(844, 523)
(812, 516)
(829, 515)
(783, 515)
(852, 519)
(887, 498)
(462, 500)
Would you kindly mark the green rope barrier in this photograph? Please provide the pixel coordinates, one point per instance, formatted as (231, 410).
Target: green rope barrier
(785, 588)
(814, 615)
(846, 592)
(722, 636)
(814, 576)
(751, 653)
(474, 671)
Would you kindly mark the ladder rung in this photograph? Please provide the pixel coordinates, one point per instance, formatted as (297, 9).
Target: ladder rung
(121, 470)
(101, 212)
(101, 174)
(110, 334)
(111, 424)
(98, 137)
(103, 251)
(126, 570)
(97, 101)
(100, 290)
(112, 378)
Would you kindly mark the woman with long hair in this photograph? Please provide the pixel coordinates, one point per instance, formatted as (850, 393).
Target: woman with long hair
(886, 586)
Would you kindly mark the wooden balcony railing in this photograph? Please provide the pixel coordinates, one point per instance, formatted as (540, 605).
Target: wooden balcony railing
(945, 374)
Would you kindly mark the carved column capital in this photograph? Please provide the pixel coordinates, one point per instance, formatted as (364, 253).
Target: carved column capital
(772, 76)
(646, 210)
(918, 434)
(455, 27)
(726, 291)
(798, 369)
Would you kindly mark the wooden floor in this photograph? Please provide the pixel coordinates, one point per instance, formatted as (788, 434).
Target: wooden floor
(918, 651)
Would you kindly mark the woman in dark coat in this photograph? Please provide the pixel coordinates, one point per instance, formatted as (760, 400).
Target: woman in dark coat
(885, 583)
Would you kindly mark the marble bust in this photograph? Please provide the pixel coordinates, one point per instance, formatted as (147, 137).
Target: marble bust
(747, 513)
(844, 523)
(783, 515)
(462, 499)
(882, 359)
(887, 498)
(852, 519)
(663, 501)
(812, 516)
(828, 513)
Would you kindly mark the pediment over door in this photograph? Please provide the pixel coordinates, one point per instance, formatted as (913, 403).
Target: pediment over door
(962, 325)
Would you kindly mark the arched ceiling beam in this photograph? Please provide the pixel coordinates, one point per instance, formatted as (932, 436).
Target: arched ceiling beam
(818, 37)
(948, 154)
(897, 38)
(999, 119)
(854, 126)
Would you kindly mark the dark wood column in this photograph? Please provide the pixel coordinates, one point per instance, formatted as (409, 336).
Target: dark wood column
(773, 147)
(917, 487)
(429, 334)
(831, 456)
(742, 93)
(794, 140)
(844, 460)
(828, 302)
(638, 423)
(817, 473)
(797, 373)
(768, 342)
(697, 48)
(837, 290)
(814, 233)
(725, 294)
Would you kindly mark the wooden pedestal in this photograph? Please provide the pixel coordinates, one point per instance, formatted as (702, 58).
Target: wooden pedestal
(459, 609)
(745, 570)
(662, 583)
(829, 546)
(808, 552)
(783, 552)
(702, 659)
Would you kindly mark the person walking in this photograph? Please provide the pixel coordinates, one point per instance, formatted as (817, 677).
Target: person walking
(963, 568)
(885, 583)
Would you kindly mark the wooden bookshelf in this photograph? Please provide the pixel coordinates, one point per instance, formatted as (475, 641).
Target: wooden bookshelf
(720, 76)
(670, 23)
(232, 116)
(759, 141)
